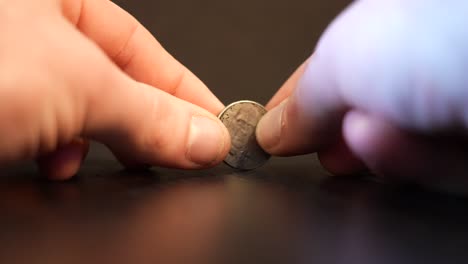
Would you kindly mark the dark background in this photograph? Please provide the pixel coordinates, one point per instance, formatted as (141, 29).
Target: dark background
(243, 49)
(288, 211)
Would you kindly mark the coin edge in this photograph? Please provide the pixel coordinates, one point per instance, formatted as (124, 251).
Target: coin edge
(219, 117)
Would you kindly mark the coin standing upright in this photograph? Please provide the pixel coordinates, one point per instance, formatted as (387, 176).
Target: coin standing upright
(241, 119)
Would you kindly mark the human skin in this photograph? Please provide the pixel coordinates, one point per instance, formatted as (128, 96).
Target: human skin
(72, 70)
(386, 89)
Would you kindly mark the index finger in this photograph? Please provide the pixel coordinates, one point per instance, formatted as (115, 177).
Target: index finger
(287, 88)
(136, 51)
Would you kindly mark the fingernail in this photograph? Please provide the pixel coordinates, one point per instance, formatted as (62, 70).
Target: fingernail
(206, 140)
(270, 126)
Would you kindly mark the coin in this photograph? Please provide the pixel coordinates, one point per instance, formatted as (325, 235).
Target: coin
(241, 119)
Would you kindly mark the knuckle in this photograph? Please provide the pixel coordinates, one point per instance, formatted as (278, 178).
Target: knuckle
(125, 52)
(155, 135)
(148, 128)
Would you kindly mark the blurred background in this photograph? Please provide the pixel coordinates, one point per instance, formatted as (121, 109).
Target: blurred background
(288, 211)
(243, 49)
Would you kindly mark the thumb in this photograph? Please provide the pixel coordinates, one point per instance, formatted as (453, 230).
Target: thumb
(309, 119)
(143, 125)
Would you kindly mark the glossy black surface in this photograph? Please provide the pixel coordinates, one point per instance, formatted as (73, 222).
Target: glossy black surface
(289, 211)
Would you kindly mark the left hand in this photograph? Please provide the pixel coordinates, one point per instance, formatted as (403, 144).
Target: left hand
(74, 69)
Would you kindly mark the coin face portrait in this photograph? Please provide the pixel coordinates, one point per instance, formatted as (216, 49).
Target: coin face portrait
(241, 119)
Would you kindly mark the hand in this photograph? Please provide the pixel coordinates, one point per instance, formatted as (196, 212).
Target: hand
(75, 69)
(386, 89)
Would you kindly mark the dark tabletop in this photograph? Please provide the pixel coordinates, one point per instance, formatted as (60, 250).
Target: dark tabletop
(289, 211)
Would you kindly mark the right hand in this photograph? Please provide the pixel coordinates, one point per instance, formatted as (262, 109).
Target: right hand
(386, 89)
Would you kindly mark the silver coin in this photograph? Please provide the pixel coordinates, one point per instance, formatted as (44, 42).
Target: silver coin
(241, 119)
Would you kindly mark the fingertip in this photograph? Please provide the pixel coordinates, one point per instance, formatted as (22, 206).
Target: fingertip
(269, 128)
(367, 138)
(338, 159)
(208, 141)
(384, 148)
(159, 129)
(287, 88)
(356, 128)
(193, 90)
(65, 162)
(406, 156)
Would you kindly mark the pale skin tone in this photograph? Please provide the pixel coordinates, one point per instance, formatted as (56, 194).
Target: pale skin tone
(92, 71)
(385, 90)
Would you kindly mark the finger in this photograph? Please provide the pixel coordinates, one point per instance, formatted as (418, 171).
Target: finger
(132, 118)
(338, 159)
(156, 128)
(309, 119)
(136, 51)
(287, 88)
(147, 125)
(395, 153)
(63, 163)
